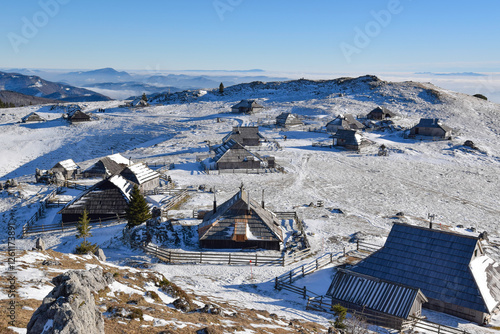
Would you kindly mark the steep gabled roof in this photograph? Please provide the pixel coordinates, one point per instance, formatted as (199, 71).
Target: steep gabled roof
(109, 165)
(240, 133)
(139, 173)
(347, 121)
(385, 112)
(373, 293)
(231, 144)
(107, 196)
(67, 164)
(351, 137)
(33, 117)
(247, 104)
(240, 212)
(287, 118)
(432, 123)
(434, 261)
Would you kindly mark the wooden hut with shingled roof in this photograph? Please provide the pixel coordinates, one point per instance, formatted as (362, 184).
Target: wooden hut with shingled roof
(245, 135)
(107, 199)
(382, 302)
(240, 222)
(68, 168)
(32, 117)
(109, 165)
(141, 175)
(247, 107)
(451, 269)
(288, 120)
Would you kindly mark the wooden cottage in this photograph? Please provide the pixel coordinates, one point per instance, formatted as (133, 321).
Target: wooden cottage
(381, 302)
(32, 117)
(141, 175)
(349, 139)
(247, 107)
(245, 135)
(68, 168)
(287, 120)
(106, 200)
(451, 270)
(431, 128)
(77, 116)
(345, 122)
(380, 113)
(240, 222)
(232, 155)
(107, 166)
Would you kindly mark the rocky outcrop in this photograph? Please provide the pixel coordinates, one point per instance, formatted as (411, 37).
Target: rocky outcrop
(70, 306)
(40, 244)
(99, 253)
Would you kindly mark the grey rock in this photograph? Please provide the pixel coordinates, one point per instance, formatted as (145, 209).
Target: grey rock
(100, 254)
(40, 244)
(70, 307)
(182, 304)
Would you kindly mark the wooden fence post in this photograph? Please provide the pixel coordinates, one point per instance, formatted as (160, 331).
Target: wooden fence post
(276, 283)
(305, 292)
(201, 257)
(317, 266)
(256, 258)
(290, 276)
(284, 256)
(357, 244)
(229, 258)
(303, 274)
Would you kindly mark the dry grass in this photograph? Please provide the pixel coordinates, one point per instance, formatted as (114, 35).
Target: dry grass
(136, 307)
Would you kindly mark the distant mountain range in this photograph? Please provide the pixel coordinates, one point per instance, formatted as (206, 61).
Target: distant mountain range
(38, 87)
(20, 100)
(86, 78)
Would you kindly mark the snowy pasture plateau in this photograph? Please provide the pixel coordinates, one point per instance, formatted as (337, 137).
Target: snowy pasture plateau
(340, 195)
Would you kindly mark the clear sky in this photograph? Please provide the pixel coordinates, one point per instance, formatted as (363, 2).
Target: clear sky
(324, 36)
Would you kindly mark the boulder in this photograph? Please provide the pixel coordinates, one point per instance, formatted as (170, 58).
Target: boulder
(182, 304)
(70, 306)
(40, 244)
(100, 254)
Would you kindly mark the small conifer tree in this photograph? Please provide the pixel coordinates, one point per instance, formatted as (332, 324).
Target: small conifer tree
(221, 88)
(138, 209)
(83, 232)
(144, 97)
(341, 313)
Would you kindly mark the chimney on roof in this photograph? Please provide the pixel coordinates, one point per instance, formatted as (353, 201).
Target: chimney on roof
(263, 206)
(431, 218)
(215, 202)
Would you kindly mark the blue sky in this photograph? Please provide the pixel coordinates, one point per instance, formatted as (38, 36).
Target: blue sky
(323, 36)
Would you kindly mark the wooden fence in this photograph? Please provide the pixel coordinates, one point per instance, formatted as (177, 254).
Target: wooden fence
(298, 222)
(180, 195)
(285, 281)
(324, 304)
(61, 227)
(41, 209)
(175, 257)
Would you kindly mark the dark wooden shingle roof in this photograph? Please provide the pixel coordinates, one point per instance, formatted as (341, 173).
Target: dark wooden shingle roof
(244, 213)
(434, 261)
(373, 293)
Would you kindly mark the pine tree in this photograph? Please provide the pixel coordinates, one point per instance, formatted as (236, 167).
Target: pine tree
(138, 209)
(83, 232)
(221, 88)
(144, 97)
(83, 226)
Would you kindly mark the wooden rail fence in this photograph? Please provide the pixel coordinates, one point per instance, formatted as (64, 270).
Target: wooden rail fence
(61, 227)
(324, 304)
(177, 257)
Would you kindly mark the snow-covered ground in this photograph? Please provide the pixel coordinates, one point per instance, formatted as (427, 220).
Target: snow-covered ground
(459, 186)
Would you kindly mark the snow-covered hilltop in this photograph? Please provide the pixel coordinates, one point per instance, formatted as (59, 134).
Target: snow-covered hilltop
(340, 195)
